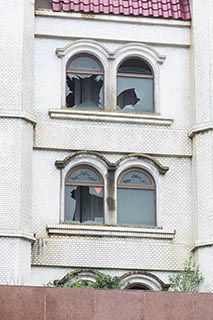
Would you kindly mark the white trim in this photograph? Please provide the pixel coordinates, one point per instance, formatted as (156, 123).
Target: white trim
(129, 163)
(16, 233)
(110, 231)
(200, 128)
(16, 114)
(110, 116)
(115, 18)
(199, 245)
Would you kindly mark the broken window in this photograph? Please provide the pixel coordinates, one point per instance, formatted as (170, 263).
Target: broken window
(135, 86)
(136, 198)
(84, 83)
(84, 196)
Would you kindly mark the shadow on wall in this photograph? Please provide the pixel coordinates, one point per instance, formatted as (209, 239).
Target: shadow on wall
(43, 4)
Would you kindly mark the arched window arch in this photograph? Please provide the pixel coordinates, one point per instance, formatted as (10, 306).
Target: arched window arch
(84, 82)
(143, 281)
(135, 86)
(84, 195)
(136, 198)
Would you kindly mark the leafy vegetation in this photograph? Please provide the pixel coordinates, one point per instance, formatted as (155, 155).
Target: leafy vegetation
(187, 280)
(104, 281)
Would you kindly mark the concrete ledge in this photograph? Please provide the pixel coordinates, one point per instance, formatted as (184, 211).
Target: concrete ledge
(16, 233)
(110, 231)
(110, 116)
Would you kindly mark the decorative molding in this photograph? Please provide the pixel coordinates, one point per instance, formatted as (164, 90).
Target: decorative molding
(199, 245)
(15, 233)
(110, 116)
(83, 46)
(61, 164)
(109, 231)
(200, 128)
(16, 114)
(134, 156)
(139, 49)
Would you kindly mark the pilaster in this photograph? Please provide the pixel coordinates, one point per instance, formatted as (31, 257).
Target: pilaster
(202, 134)
(16, 139)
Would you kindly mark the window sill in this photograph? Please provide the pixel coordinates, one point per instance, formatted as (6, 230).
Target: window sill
(110, 116)
(110, 231)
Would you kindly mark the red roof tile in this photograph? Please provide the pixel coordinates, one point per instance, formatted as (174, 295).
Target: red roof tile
(174, 9)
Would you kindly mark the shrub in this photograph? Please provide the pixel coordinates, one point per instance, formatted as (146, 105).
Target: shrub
(187, 280)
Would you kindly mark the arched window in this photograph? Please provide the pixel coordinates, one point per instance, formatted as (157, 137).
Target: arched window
(84, 83)
(135, 86)
(84, 194)
(136, 198)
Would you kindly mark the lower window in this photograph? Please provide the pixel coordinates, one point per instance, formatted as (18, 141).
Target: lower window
(136, 198)
(84, 196)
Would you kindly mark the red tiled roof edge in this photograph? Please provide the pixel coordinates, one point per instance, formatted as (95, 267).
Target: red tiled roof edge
(169, 9)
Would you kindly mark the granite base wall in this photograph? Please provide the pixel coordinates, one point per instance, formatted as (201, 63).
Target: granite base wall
(24, 303)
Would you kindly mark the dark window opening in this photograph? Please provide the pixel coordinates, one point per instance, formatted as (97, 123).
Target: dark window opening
(84, 196)
(138, 287)
(135, 86)
(84, 83)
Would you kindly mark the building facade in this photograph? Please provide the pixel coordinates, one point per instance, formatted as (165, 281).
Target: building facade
(106, 140)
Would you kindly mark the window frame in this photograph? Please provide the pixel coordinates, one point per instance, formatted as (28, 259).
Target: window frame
(148, 168)
(86, 71)
(67, 182)
(152, 186)
(78, 161)
(134, 76)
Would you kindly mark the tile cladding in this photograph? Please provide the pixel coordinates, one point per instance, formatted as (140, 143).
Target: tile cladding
(174, 9)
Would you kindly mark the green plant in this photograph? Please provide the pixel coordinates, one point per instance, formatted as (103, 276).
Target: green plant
(102, 280)
(187, 280)
(105, 281)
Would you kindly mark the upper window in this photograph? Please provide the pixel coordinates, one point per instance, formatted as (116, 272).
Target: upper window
(84, 83)
(96, 78)
(84, 196)
(135, 86)
(136, 198)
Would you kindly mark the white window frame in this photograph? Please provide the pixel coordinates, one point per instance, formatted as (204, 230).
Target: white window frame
(81, 160)
(130, 163)
(82, 47)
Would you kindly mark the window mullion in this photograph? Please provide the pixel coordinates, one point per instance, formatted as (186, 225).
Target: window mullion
(110, 217)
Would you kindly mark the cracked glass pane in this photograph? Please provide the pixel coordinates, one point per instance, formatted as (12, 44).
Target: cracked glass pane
(84, 204)
(84, 91)
(84, 83)
(135, 94)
